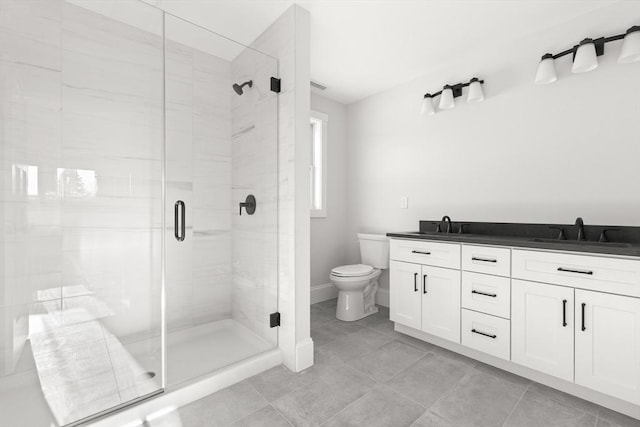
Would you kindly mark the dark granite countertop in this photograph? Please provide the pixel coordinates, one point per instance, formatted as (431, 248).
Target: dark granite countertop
(535, 236)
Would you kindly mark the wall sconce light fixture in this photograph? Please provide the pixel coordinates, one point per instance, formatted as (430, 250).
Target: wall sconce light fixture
(585, 55)
(449, 93)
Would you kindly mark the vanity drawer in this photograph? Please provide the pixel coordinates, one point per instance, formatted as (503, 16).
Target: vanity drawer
(486, 259)
(612, 275)
(488, 294)
(426, 252)
(489, 334)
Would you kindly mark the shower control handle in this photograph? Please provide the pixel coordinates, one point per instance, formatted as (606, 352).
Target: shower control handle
(249, 205)
(179, 226)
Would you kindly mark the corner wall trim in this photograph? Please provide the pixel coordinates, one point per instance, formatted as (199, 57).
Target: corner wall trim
(323, 292)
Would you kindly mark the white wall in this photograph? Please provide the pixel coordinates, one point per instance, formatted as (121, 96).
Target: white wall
(328, 243)
(527, 154)
(287, 39)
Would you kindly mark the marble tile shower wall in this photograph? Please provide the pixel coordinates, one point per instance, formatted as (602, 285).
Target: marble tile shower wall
(198, 119)
(254, 145)
(30, 144)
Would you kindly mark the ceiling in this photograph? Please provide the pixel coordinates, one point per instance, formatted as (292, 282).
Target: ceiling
(362, 47)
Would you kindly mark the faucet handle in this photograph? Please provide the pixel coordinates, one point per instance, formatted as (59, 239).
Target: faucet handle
(561, 235)
(603, 234)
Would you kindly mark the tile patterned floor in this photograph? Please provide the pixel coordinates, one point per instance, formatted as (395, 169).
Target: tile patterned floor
(366, 374)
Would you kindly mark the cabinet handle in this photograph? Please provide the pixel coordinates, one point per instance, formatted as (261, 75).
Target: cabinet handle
(569, 270)
(584, 328)
(483, 259)
(564, 313)
(179, 231)
(415, 282)
(486, 294)
(421, 252)
(424, 284)
(484, 333)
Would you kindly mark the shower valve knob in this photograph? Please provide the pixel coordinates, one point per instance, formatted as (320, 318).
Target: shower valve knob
(249, 205)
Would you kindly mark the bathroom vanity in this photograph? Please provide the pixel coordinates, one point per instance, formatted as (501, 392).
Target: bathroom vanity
(565, 313)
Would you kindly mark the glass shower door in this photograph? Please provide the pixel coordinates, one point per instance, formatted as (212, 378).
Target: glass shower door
(81, 207)
(221, 145)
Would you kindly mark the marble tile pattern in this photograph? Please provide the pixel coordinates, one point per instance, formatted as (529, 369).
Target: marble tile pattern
(389, 381)
(198, 153)
(254, 147)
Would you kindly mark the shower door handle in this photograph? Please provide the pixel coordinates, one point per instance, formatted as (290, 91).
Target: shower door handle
(179, 217)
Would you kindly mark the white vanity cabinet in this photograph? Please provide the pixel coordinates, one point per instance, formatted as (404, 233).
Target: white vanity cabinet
(607, 334)
(542, 327)
(424, 295)
(405, 302)
(569, 315)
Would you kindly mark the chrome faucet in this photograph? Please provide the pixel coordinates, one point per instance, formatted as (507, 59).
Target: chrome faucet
(580, 225)
(447, 220)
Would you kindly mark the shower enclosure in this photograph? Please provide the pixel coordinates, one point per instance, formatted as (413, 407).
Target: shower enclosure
(138, 206)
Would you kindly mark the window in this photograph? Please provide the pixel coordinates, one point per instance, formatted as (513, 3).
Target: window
(318, 166)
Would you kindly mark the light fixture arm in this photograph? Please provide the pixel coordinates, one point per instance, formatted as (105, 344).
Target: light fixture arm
(456, 88)
(599, 44)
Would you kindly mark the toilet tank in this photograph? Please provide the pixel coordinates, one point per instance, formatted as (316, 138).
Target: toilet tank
(374, 250)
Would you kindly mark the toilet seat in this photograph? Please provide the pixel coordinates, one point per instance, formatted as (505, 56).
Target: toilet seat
(353, 270)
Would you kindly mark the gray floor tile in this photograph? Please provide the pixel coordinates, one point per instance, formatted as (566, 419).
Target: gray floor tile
(357, 344)
(429, 419)
(479, 399)
(265, 417)
(329, 305)
(414, 342)
(504, 375)
(380, 407)
(224, 407)
(319, 316)
(276, 382)
(616, 419)
(322, 356)
(455, 356)
(535, 410)
(567, 399)
(429, 379)
(332, 390)
(386, 361)
(326, 332)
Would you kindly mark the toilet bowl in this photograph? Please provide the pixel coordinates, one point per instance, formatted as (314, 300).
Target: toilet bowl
(358, 283)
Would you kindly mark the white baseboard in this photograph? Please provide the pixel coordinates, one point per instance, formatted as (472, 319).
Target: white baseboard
(382, 297)
(323, 292)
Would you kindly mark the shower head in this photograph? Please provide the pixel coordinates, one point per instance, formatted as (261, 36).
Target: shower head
(238, 88)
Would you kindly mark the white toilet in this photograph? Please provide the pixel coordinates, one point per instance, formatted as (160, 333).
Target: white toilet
(357, 284)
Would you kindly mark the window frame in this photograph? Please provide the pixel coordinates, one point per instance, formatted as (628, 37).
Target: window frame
(322, 120)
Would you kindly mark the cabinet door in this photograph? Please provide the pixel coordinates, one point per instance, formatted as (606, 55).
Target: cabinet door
(440, 289)
(404, 293)
(608, 344)
(542, 327)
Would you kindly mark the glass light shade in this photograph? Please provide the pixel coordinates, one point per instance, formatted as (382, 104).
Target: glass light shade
(446, 99)
(630, 47)
(427, 106)
(475, 92)
(586, 58)
(546, 71)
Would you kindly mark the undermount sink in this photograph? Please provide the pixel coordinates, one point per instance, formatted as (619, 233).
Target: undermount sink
(582, 243)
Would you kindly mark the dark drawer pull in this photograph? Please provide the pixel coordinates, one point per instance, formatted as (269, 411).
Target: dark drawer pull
(475, 258)
(415, 282)
(568, 270)
(564, 313)
(484, 333)
(424, 284)
(584, 328)
(421, 252)
(486, 294)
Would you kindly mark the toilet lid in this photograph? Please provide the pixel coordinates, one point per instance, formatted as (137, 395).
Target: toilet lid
(352, 270)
